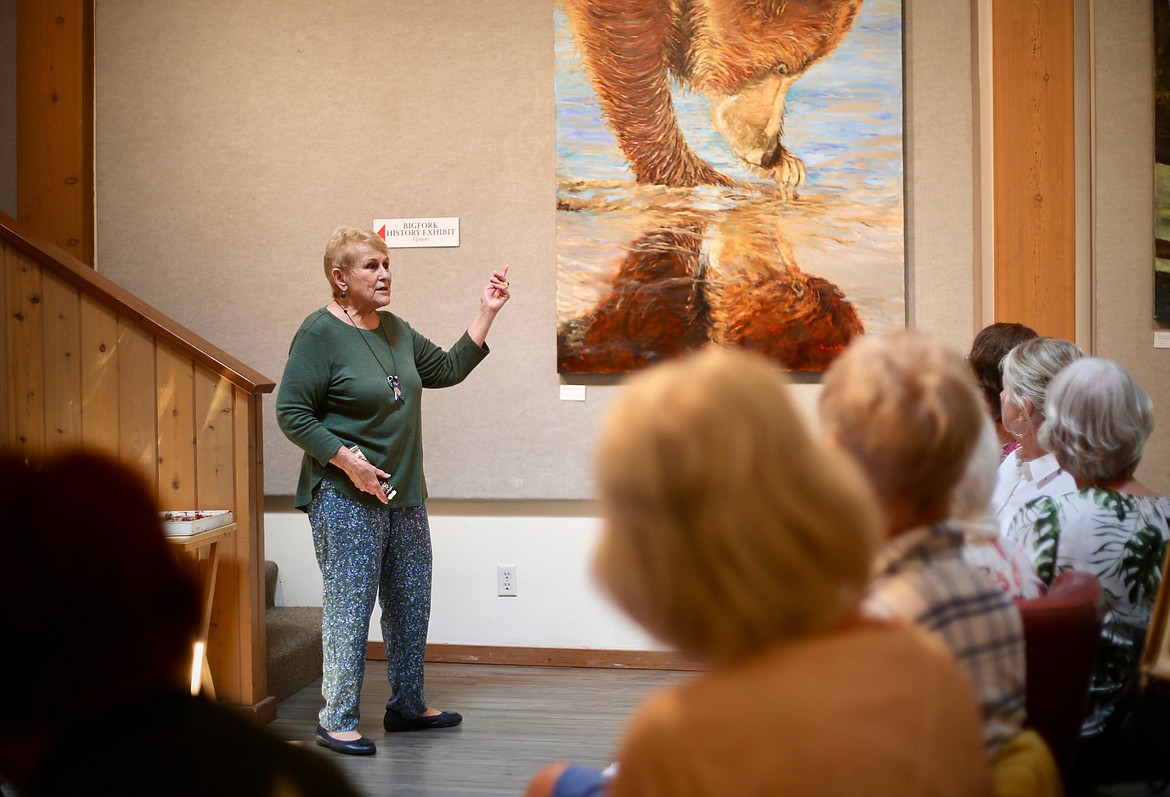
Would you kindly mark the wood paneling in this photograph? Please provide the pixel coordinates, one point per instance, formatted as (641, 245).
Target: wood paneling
(214, 431)
(83, 367)
(54, 122)
(25, 339)
(99, 376)
(1034, 163)
(62, 311)
(176, 430)
(215, 489)
(248, 444)
(7, 263)
(137, 401)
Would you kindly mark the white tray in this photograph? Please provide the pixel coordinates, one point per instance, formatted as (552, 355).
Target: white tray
(185, 522)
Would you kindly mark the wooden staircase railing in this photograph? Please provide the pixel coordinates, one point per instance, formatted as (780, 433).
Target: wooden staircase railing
(87, 364)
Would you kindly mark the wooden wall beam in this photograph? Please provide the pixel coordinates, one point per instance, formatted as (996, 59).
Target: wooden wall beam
(54, 122)
(1034, 164)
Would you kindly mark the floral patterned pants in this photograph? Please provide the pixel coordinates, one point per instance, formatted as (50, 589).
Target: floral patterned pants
(366, 552)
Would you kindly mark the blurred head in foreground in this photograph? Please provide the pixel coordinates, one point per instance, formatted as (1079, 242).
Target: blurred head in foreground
(94, 607)
(971, 498)
(728, 528)
(907, 409)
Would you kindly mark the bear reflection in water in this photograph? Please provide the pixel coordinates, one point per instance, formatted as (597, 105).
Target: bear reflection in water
(728, 281)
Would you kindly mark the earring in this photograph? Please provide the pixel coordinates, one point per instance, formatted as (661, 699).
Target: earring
(343, 294)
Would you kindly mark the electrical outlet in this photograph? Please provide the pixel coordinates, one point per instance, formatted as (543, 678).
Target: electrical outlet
(506, 581)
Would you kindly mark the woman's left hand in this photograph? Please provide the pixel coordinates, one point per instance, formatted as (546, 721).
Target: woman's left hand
(495, 293)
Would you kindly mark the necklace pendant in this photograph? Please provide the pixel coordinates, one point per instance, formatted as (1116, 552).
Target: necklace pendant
(394, 386)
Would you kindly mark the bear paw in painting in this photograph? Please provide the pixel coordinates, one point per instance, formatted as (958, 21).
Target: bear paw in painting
(743, 54)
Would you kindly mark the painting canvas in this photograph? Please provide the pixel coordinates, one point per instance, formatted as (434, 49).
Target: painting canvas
(728, 171)
(1162, 160)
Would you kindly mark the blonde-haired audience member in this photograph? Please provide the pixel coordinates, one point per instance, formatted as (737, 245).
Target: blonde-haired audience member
(906, 408)
(733, 535)
(1030, 471)
(1003, 561)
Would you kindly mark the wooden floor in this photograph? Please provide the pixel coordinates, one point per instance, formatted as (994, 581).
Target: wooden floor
(516, 720)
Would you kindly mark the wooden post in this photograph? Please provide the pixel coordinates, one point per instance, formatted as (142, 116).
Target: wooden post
(1034, 137)
(54, 122)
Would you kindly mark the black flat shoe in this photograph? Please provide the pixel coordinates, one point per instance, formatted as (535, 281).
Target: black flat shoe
(393, 721)
(360, 746)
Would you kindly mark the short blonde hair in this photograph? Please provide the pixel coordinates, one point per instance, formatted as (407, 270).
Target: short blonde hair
(727, 526)
(908, 410)
(342, 248)
(1029, 367)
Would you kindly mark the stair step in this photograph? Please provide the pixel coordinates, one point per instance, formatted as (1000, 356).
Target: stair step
(294, 648)
(294, 641)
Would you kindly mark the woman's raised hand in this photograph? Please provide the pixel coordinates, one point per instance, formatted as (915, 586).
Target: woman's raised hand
(495, 293)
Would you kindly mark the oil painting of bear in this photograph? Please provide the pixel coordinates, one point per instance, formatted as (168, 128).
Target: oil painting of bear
(745, 55)
(728, 171)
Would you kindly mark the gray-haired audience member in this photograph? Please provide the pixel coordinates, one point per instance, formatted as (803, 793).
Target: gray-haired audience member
(1030, 471)
(1110, 524)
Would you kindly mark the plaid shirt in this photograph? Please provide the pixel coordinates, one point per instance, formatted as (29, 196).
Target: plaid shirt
(920, 576)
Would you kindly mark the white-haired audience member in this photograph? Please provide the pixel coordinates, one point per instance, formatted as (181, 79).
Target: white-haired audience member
(1030, 471)
(734, 535)
(1098, 421)
(907, 409)
(1003, 561)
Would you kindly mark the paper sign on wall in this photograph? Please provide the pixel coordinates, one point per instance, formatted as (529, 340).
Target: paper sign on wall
(418, 233)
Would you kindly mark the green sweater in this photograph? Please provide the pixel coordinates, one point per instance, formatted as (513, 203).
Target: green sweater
(334, 392)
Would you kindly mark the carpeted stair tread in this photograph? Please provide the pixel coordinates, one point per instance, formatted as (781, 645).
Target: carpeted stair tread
(270, 572)
(293, 642)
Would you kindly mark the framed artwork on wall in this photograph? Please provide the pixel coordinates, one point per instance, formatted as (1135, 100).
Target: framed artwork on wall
(730, 172)
(1161, 10)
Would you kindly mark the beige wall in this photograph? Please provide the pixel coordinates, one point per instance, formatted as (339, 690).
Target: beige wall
(232, 137)
(223, 164)
(1123, 229)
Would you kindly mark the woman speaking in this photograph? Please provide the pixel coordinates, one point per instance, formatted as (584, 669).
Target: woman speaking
(351, 398)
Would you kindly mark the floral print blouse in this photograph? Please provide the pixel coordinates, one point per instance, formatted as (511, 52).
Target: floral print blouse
(1120, 538)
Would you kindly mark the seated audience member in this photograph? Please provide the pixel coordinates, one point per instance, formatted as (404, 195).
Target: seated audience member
(986, 357)
(1098, 421)
(98, 620)
(907, 410)
(1003, 561)
(734, 536)
(1030, 471)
